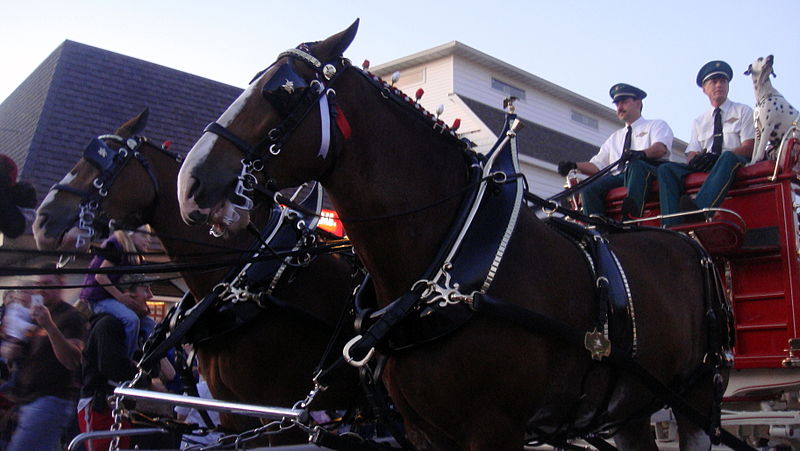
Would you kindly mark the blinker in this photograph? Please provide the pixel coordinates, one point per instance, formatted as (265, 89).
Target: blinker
(99, 154)
(279, 90)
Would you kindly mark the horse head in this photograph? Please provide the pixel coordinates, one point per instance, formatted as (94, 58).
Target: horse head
(97, 190)
(287, 111)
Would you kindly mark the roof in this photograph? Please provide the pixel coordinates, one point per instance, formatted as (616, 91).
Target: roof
(455, 48)
(533, 139)
(81, 91)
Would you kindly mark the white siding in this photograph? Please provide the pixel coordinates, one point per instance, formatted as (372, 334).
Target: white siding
(475, 82)
(438, 87)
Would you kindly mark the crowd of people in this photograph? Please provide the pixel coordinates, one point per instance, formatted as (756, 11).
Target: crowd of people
(63, 362)
(721, 142)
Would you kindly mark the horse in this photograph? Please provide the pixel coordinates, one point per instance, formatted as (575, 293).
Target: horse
(397, 182)
(268, 361)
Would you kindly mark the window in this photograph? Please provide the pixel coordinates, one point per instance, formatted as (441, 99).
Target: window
(508, 89)
(585, 120)
(412, 77)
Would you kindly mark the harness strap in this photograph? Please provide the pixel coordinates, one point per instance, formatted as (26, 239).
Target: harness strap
(553, 328)
(325, 127)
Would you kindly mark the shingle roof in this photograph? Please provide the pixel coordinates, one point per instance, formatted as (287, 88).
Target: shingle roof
(535, 140)
(80, 91)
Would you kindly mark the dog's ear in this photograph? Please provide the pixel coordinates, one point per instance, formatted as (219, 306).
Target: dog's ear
(749, 69)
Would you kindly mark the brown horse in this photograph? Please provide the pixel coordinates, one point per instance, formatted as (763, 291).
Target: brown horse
(269, 360)
(489, 384)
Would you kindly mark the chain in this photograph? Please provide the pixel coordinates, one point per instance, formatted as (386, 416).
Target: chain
(117, 413)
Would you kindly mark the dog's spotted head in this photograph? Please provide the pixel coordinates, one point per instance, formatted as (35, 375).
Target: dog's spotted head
(762, 67)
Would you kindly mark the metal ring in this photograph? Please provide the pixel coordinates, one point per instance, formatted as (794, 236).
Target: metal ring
(319, 86)
(499, 177)
(274, 150)
(274, 134)
(550, 211)
(123, 152)
(352, 361)
(257, 165)
(97, 183)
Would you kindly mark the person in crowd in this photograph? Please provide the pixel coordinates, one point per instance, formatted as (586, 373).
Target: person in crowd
(106, 363)
(123, 248)
(644, 143)
(721, 142)
(48, 381)
(14, 198)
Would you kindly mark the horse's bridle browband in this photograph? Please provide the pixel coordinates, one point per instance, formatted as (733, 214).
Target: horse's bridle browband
(109, 162)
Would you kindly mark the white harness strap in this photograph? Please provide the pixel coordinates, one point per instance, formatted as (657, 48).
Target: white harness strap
(325, 123)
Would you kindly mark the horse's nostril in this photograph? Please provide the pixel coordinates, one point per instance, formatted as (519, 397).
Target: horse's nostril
(195, 186)
(197, 218)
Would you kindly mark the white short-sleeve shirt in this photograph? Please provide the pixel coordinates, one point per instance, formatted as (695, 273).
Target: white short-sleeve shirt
(644, 133)
(737, 127)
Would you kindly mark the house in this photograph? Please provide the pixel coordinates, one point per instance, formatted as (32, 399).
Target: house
(558, 124)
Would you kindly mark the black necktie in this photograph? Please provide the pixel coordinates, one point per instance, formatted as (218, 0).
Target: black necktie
(716, 146)
(626, 146)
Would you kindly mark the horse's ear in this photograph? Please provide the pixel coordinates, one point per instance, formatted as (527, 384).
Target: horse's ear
(335, 45)
(749, 69)
(134, 126)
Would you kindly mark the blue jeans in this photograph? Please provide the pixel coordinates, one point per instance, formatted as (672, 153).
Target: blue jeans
(712, 192)
(41, 423)
(133, 325)
(636, 179)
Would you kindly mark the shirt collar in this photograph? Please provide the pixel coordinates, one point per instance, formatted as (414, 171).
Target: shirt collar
(725, 107)
(637, 122)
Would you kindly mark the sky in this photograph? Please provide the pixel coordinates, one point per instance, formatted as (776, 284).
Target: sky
(584, 46)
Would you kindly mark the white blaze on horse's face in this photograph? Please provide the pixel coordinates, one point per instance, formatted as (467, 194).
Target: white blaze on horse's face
(47, 238)
(198, 156)
(51, 195)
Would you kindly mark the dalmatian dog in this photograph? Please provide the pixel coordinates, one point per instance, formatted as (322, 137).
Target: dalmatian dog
(773, 115)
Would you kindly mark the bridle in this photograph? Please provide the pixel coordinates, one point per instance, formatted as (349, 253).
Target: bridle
(316, 92)
(293, 97)
(110, 162)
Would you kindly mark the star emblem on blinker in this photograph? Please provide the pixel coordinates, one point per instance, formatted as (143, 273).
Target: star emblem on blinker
(288, 86)
(102, 153)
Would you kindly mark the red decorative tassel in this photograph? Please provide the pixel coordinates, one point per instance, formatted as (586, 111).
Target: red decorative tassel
(419, 94)
(343, 123)
(365, 65)
(456, 124)
(166, 145)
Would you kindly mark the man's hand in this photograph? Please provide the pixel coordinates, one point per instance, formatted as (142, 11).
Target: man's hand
(703, 162)
(565, 166)
(633, 155)
(41, 316)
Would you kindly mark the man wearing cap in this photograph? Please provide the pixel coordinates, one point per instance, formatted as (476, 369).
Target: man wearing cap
(722, 142)
(645, 144)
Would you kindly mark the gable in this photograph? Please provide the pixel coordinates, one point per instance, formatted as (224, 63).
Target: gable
(535, 140)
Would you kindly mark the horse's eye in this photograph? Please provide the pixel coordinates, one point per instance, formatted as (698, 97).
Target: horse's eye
(283, 90)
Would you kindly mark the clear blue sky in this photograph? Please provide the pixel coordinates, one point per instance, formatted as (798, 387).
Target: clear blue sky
(584, 46)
